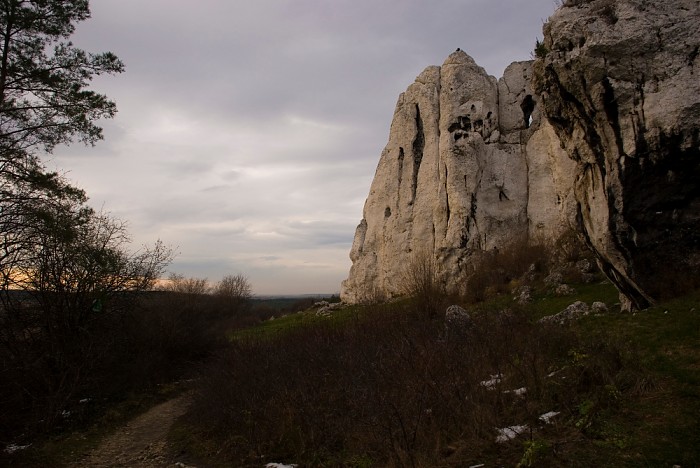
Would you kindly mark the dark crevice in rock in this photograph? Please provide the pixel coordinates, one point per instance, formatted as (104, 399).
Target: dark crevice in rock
(659, 41)
(463, 125)
(565, 111)
(464, 238)
(418, 147)
(639, 120)
(447, 197)
(401, 158)
(612, 112)
(528, 107)
(691, 58)
(557, 114)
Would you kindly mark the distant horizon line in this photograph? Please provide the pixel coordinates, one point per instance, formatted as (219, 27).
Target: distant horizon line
(277, 296)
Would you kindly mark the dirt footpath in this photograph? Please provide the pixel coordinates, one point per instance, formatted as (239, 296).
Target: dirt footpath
(142, 442)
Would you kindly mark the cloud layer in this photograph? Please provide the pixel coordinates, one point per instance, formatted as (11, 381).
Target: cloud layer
(248, 132)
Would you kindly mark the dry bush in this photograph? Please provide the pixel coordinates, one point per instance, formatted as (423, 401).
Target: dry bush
(495, 272)
(177, 283)
(570, 247)
(388, 389)
(422, 280)
(370, 294)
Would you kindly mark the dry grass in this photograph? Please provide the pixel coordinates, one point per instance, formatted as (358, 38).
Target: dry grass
(390, 389)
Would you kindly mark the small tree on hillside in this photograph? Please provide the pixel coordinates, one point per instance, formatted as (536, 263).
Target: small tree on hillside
(234, 290)
(422, 281)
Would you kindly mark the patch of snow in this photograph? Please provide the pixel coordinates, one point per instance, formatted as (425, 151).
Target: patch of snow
(12, 448)
(492, 382)
(477, 466)
(547, 417)
(518, 391)
(85, 400)
(65, 413)
(507, 433)
(280, 465)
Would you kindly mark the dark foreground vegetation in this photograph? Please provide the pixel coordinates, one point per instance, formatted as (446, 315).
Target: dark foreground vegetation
(393, 385)
(387, 386)
(73, 368)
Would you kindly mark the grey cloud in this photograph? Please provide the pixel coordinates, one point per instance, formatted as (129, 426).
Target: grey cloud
(248, 132)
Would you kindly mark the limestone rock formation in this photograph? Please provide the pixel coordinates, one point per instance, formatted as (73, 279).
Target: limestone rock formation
(469, 167)
(607, 138)
(620, 84)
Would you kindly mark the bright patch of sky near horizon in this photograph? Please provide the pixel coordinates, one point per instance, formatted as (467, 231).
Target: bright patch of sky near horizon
(248, 133)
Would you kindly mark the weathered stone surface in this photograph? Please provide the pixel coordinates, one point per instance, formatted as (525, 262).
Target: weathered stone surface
(572, 313)
(620, 84)
(523, 295)
(469, 167)
(456, 318)
(564, 290)
(554, 279)
(607, 140)
(599, 307)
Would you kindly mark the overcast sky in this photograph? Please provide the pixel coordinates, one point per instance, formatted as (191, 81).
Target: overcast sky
(249, 131)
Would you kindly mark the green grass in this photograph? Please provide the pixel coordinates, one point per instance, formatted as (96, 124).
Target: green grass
(644, 413)
(274, 328)
(545, 303)
(649, 413)
(657, 421)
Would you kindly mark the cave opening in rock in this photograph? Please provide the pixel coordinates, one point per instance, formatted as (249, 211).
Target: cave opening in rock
(528, 106)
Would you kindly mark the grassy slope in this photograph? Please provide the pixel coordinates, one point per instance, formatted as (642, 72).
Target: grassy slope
(660, 426)
(652, 420)
(649, 417)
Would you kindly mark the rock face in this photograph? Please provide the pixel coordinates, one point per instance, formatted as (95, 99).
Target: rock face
(620, 83)
(607, 138)
(470, 166)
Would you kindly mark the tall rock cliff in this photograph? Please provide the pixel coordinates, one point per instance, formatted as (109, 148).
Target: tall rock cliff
(601, 132)
(620, 83)
(469, 166)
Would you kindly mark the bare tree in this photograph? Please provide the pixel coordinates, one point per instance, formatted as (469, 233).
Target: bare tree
(178, 283)
(72, 277)
(234, 292)
(234, 287)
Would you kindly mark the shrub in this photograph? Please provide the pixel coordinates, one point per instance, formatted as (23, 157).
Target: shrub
(423, 282)
(389, 389)
(541, 50)
(156, 339)
(496, 271)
